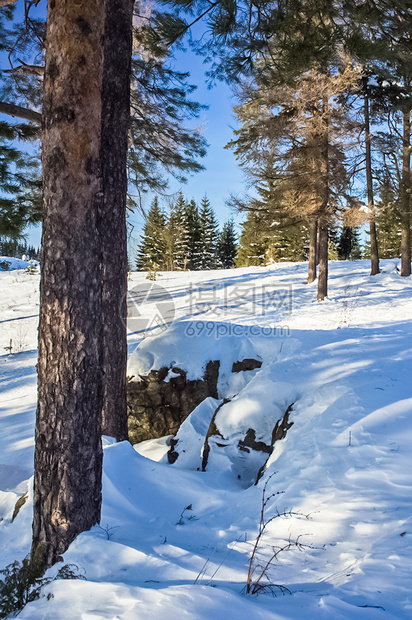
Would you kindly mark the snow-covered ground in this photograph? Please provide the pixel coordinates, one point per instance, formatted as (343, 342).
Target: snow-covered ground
(344, 469)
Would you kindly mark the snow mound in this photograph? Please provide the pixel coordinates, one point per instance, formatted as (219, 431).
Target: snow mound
(7, 263)
(180, 346)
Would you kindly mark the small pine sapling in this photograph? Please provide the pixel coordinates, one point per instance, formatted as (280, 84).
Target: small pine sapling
(31, 269)
(153, 273)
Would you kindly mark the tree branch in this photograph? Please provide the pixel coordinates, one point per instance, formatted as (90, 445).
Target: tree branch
(25, 69)
(15, 110)
(7, 3)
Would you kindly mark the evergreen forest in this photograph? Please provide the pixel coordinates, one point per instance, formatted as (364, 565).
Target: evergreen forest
(185, 237)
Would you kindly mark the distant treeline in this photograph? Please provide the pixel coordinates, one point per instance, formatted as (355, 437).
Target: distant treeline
(184, 236)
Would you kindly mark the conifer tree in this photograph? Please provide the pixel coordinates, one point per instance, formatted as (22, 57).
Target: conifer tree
(20, 202)
(180, 233)
(227, 247)
(160, 104)
(333, 240)
(160, 140)
(373, 240)
(270, 234)
(20, 177)
(390, 26)
(388, 222)
(152, 250)
(348, 246)
(171, 235)
(87, 46)
(253, 241)
(287, 232)
(193, 233)
(389, 234)
(357, 248)
(294, 135)
(17, 249)
(208, 235)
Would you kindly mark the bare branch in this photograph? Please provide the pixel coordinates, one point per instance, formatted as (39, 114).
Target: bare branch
(25, 69)
(16, 110)
(7, 3)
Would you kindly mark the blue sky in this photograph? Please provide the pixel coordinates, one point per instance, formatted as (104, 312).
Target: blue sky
(221, 176)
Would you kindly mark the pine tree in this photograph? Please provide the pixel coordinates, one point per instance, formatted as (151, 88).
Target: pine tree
(287, 232)
(160, 104)
(240, 33)
(227, 247)
(16, 249)
(348, 246)
(388, 222)
(20, 202)
(193, 239)
(160, 140)
(76, 274)
(294, 135)
(253, 241)
(390, 27)
(153, 248)
(357, 249)
(208, 235)
(21, 86)
(333, 239)
(389, 234)
(117, 51)
(373, 239)
(180, 232)
(270, 234)
(171, 233)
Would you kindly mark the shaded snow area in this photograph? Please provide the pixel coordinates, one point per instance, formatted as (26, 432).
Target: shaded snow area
(175, 541)
(8, 263)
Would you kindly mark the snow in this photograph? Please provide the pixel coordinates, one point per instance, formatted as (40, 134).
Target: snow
(16, 263)
(175, 541)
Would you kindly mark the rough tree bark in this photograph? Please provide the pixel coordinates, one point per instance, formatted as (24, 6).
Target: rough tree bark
(405, 210)
(313, 250)
(68, 454)
(369, 186)
(115, 127)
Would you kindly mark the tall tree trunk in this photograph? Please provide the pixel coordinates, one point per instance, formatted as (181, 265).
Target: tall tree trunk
(115, 128)
(369, 185)
(323, 261)
(405, 214)
(313, 247)
(68, 454)
(323, 243)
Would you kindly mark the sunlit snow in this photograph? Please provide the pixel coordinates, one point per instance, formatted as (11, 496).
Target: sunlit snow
(175, 541)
